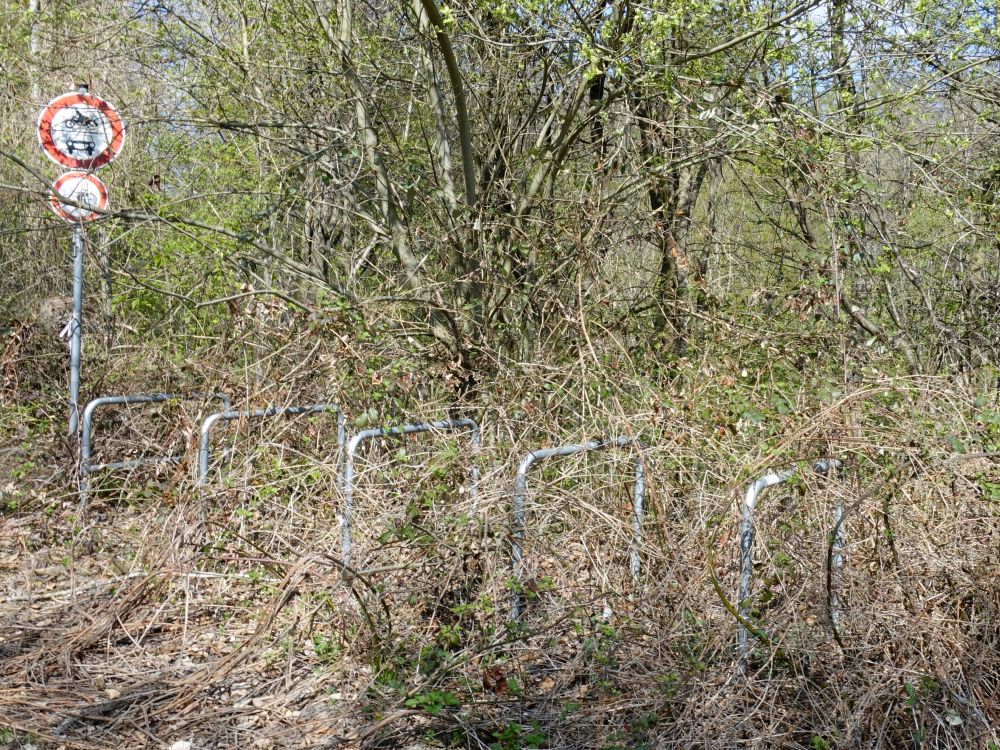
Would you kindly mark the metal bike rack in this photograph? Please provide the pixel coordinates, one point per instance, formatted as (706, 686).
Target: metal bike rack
(87, 468)
(347, 482)
(521, 491)
(275, 411)
(746, 545)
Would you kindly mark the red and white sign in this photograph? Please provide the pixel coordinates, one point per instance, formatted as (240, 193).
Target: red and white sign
(81, 131)
(82, 188)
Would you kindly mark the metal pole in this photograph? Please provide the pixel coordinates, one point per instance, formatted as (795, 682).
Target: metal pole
(638, 493)
(746, 545)
(347, 485)
(274, 411)
(76, 330)
(517, 536)
(87, 468)
(521, 492)
(837, 563)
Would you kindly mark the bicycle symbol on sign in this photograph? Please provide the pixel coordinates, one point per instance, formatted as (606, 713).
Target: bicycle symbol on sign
(86, 198)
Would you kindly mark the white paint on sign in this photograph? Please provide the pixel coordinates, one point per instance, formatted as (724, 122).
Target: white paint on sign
(80, 188)
(81, 131)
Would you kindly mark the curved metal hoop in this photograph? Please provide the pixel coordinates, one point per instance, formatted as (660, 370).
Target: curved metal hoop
(275, 411)
(347, 481)
(521, 491)
(746, 545)
(86, 433)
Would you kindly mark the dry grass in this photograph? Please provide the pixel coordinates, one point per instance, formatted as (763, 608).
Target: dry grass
(222, 615)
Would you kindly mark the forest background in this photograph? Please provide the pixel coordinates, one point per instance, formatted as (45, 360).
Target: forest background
(749, 234)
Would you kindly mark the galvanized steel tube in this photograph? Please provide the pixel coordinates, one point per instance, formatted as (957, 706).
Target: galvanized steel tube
(746, 543)
(86, 432)
(347, 484)
(274, 411)
(76, 330)
(521, 492)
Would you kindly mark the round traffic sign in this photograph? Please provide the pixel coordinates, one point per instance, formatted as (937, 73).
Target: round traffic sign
(81, 131)
(82, 188)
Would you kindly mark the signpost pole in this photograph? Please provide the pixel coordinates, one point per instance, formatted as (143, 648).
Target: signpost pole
(76, 322)
(76, 329)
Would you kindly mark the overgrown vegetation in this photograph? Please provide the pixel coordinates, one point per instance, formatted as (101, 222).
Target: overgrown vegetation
(748, 235)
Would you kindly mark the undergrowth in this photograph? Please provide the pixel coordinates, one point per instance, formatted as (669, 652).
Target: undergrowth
(222, 614)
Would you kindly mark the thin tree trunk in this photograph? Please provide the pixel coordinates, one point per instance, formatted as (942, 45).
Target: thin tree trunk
(35, 47)
(442, 327)
(469, 287)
